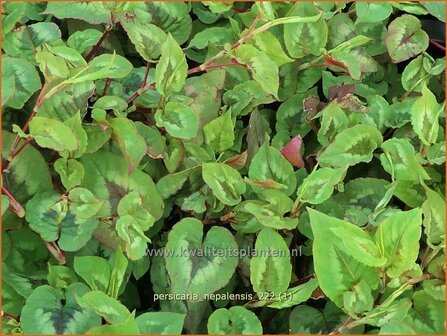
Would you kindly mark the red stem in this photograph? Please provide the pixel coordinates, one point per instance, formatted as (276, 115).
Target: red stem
(239, 10)
(146, 74)
(101, 39)
(10, 317)
(204, 66)
(218, 65)
(13, 155)
(56, 252)
(97, 45)
(14, 205)
(107, 86)
(437, 45)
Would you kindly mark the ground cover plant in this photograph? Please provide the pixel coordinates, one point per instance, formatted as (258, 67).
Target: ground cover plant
(223, 168)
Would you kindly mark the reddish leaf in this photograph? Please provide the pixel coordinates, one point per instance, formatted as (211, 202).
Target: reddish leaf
(292, 153)
(238, 161)
(329, 61)
(341, 91)
(268, 183)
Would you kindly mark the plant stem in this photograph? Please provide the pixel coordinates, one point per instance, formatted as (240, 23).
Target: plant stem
(348, 324)
(343, 326)
(428, 257)
(10, 317)
(437, 45)
(144, 87)
(302, 280)
(146, 74)
(100, 41)
(206, 65)
(56, 252)
(106, 86)
(16, 152)
(14, 205)
(13, 152)
(217, 65)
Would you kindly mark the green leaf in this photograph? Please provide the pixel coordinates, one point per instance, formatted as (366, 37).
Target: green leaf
(170, 184)
(70, 171)
(175, 153)
(94, 13)
(171, 70)
(106, 184)
(5, 203)
(414, 75)
(25, 40)
(131, 143)
(194, 268)
(361, 198)
(214, 35)
(134, 220)
(290, 116)
(52, 66)
(333, 121)
(236, 320)
(372, 12)
(119, 266)
(75, 124)
(105, 306)
(436, 153)
(107, 66)
(427, 315)
(147, 38)
(28, 171)
(405, 38)
(160, 323)
(302, 39)
(269, 163)
(263, 69)
(424, 117)
(48, 215)
(83, 39)
(59, 312)
(268, 43)
(94, 270)
(269, 217)
(20, 81)
(296, 295)
(397, 238)
(225, 182)
(61, 276)
(179, 120)
(434, 211)
(132, 205)
(117, 104)
(319, 185)
(338, 268)
(306, 320)
(128, 326)
(53, 134)
(437, 9)
(171, 17)
(83, 203)
(399, 160)
(352, 146)
(9, 20)
(381, 316)
(270, 267)
(67, 102)
(219, 133)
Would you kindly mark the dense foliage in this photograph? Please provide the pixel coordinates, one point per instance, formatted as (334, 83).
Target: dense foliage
(222, 167)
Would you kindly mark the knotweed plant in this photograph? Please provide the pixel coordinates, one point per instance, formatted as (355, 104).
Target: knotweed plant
(223, 167)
